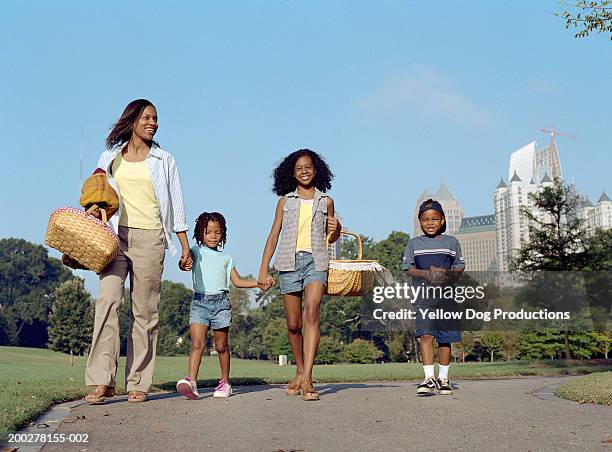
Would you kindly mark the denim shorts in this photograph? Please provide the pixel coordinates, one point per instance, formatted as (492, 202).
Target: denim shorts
(444, 331)
(212, 310)
(304, 274)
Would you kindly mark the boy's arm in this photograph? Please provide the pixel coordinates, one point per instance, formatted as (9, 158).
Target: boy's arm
(458, 265)
(240, 282)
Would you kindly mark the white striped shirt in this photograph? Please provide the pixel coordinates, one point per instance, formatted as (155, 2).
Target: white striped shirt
(166, 184)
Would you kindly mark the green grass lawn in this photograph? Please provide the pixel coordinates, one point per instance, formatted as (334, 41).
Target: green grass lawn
(594, 388)
(32, 380)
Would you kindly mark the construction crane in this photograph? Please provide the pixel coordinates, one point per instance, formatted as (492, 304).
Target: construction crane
(553, 133)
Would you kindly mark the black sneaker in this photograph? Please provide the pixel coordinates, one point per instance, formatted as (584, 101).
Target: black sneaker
(427, 387)
(444, 386)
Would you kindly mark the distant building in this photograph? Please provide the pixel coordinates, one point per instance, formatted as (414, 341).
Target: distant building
(477, 237)
(452, 209)
(530, 170)
(598, 215)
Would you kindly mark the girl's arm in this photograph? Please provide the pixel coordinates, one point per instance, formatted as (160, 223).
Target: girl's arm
(333, 225)
(264, 277)
(240, 282)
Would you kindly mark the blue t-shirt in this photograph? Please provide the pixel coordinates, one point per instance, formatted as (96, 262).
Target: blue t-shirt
(424, 252)
(211, 270)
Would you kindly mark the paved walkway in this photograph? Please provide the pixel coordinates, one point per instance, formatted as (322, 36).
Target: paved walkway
(481, 415)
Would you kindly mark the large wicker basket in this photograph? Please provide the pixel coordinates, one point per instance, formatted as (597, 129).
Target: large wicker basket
(82, 237)
(352, 277)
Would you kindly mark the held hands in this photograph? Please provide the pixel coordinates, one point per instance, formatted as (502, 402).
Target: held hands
(186, 262)
(265, 281)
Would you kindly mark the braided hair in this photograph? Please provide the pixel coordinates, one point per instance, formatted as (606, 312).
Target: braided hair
(202, 224)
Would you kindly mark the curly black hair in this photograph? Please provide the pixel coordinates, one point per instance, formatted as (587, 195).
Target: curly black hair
(284, 182)
(202, 224)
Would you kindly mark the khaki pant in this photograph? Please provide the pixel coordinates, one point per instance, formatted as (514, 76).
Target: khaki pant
(142, 256)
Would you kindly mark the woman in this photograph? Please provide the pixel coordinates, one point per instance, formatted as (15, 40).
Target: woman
(151, 206)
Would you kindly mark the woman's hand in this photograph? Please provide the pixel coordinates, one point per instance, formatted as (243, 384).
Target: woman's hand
(186, 262)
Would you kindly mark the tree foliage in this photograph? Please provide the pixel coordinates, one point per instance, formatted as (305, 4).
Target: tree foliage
(71, 318)
(588, 17)
(361, 351)
(28, 279)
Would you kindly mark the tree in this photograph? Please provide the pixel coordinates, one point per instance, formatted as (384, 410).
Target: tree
(28, 279)
(597, 264)
(492, 342)
(510, 345)
(397, 348)
(8, 335)
(174, 304)
(330, 351)
(361, 351)
(71, 319)
(591, 16)
(275, 339)
(557, 238)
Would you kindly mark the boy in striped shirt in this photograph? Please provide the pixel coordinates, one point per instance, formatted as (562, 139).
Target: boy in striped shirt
(431, 260)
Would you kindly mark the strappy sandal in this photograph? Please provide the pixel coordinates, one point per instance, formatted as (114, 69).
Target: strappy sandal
(99, 395)
(137, 396)
(308, 391)
(293, 388)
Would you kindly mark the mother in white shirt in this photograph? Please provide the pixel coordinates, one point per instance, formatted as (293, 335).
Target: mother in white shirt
(149, 187)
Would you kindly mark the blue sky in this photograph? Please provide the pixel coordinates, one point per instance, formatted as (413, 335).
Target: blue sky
(394, 94)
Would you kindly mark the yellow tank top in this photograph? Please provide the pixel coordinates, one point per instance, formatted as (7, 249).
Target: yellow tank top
(140, 205)
(303, 242)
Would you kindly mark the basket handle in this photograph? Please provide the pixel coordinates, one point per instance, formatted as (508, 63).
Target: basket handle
(102, 211)
(359, 245)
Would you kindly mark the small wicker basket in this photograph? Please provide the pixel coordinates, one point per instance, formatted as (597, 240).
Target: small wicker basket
(82, 237)
(351, 277)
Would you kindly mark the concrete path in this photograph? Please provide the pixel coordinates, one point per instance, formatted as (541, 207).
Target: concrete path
(481, 415)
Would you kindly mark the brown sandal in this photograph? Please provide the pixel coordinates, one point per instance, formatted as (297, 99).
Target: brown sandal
(308, 391)
(293, 388)
(137, 396)
(99, 395)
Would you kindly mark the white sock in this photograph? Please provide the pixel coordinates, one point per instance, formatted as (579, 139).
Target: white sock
(443, 371)
(429, 371)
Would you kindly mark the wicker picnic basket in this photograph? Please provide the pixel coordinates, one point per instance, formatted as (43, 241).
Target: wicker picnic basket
(352, 277)
(82, 237)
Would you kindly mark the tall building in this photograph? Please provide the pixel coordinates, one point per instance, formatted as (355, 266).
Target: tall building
(530, 170)
(598, 215)
(452, 209)
(531, 164)
(477, 237)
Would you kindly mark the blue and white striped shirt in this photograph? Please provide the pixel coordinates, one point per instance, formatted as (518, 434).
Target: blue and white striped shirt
(424, 252)
(166, 185)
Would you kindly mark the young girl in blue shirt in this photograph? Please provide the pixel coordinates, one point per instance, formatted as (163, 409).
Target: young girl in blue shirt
(212, 270)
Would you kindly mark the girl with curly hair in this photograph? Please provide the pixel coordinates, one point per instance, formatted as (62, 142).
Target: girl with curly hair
(212, 272)
(305, 215)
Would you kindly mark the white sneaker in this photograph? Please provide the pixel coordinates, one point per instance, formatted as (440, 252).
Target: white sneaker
(223, 389)
(188, 388)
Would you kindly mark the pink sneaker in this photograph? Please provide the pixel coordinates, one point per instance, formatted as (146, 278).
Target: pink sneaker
(188, 388)
(223, 389)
